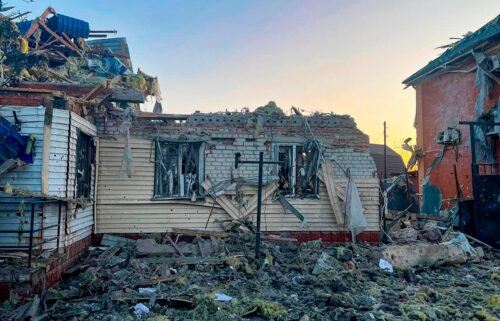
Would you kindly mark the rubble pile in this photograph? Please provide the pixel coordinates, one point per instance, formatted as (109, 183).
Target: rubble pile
(214, 276)
(53, 48)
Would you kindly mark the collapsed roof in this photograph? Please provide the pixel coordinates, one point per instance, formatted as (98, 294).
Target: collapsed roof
(53, 49)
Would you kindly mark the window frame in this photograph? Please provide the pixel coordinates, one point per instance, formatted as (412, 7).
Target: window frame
(293, 175)
(158, 144)
(84, 159)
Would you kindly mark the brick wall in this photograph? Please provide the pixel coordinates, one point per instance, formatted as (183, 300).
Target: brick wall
(227, 134)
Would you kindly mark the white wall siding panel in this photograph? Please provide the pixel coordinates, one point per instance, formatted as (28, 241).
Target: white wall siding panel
(28, 177)
(31, 119)
(78, 221)
(125, 205)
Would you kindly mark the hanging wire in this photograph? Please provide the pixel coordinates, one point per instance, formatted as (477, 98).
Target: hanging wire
(320, 149)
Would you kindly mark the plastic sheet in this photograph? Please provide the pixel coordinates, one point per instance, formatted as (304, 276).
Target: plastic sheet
(356, 221)
(127, 167)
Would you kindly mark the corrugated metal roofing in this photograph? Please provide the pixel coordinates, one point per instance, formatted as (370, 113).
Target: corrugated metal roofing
(469, 42)
(74, 28)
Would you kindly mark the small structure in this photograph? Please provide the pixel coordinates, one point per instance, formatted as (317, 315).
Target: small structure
(462, 84)
(395, 165)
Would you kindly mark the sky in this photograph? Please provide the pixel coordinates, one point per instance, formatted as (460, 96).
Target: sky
(340, 56)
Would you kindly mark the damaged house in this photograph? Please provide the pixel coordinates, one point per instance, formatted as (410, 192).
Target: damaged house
(79, 159)
(460, 164)
(50, 83)
(178, 171)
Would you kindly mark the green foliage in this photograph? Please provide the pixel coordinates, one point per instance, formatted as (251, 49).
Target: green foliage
(271, 310)
(270, 109)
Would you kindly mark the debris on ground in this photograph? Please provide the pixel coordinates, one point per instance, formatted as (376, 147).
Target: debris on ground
(221, 280)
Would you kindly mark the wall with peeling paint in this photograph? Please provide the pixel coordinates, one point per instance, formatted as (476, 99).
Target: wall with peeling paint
(440, 101)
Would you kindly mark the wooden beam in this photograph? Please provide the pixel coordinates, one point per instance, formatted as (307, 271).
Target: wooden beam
(47, 130)
(200, 233)
(10, 164)
(340, 190)
(99, 89)
(327, 167)
(267, 191)
(223, 201)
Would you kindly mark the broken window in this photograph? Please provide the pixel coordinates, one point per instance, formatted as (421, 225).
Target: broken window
(294, 179)
(179, 170)
(85, 153)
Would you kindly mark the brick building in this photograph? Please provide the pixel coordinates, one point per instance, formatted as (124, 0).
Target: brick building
(462, 84)
(173, 155)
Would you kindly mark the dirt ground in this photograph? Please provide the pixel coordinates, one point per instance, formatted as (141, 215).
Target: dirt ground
(219, 279)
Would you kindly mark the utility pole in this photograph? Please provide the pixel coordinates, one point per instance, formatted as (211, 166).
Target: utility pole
(385, 151)
(260, 162)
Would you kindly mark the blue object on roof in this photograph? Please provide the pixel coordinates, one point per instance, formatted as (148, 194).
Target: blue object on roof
(74, 28)
(24, 26)
(469, 42)
(12, 143)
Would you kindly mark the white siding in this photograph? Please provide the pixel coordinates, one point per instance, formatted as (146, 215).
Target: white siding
(58, 165)
(79, 221)
(125, 205)
(31, 119)
(28, 177)
(76, 224)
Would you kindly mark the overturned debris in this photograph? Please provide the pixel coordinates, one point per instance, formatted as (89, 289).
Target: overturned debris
(219, 279)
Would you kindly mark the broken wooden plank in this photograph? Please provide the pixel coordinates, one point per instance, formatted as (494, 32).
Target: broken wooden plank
(110, 240)
(155, 281)
(174, 245)
(9, 165)
(340, 190)
(200, 233)
(151, 247)
(267, 191)
(284, 202)
(223, 201)
(96, 91)
(332, 191)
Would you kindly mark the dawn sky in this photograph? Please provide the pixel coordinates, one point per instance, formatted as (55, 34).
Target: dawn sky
(346, 57)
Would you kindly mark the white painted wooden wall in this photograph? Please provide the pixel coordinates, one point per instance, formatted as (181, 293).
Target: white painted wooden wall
(76, 224)
(125, 205)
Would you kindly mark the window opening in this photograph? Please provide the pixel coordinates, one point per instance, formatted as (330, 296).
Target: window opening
(178, 170)
(85, 154)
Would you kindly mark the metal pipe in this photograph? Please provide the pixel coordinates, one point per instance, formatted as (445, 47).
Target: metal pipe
(385, 151)
(259, 206)
(103, 31)
(32, 224)
(96, 181)
(261, 163)
(59, 225)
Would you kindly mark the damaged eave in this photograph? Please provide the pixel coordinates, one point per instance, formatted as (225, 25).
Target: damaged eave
(481, 40)
(56, 93)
